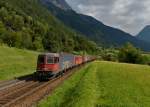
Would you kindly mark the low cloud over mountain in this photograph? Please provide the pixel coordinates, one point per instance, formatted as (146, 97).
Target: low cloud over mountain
(129, 15)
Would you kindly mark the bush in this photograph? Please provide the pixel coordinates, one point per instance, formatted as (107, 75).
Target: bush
(130, 54)
(109, 55)
(146, 59)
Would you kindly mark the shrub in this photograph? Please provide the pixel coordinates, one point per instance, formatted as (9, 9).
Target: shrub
(129, 54)
(109, 55)
(146, 59)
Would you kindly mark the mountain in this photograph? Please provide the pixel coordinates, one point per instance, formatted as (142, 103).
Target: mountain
(59, 3)
(145, 34)
(92, 28)
(28, 24)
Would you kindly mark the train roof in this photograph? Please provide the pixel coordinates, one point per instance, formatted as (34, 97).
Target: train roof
(58, 54)
(50, 54)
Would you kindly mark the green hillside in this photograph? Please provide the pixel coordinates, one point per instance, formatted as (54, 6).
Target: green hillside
(104, 84)
(15, 62)
(28, 24)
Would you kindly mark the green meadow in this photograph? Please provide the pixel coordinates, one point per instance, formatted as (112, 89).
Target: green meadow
(104, 84)
(16, 62)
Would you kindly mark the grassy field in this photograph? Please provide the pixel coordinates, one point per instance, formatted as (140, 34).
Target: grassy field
(104, 84)
(16, 62)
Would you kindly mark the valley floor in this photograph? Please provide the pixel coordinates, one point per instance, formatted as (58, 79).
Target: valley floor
(104, 84)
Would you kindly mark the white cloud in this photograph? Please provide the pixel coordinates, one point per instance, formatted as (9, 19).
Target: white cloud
(129, 15)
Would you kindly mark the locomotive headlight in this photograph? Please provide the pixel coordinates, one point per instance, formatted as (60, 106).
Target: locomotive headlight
(45, 69)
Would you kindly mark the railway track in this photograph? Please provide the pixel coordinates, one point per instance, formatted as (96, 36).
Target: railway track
(10, 83)
(26, 93)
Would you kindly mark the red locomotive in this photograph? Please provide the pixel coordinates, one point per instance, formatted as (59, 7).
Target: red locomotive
(54, 64)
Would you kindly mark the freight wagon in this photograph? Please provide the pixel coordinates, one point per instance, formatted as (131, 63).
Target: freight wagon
(78, 60)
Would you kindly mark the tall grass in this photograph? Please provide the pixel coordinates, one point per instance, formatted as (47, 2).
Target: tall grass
(16, 62)
(104, 84)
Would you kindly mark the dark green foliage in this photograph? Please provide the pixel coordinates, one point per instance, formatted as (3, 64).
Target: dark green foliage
(146, 59)
(84, 45)
(37, 44)
(27, 24)
(109, 54)
(2, 30)
(130, 54)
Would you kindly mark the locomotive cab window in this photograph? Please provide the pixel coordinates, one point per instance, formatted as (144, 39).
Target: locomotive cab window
(52, 60)
(41, 59)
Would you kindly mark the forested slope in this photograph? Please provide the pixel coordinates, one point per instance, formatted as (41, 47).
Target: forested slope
(27, 24)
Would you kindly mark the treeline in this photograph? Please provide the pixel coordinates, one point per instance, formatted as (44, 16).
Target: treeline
(40, 31)
(126, 54)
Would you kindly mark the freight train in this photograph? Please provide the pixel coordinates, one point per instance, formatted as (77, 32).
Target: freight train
(55, 64)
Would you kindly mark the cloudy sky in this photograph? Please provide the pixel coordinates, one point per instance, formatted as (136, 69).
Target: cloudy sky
(128, 15)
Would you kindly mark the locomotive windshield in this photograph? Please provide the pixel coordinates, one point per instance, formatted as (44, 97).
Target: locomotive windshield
(41, 59)
(52, 60)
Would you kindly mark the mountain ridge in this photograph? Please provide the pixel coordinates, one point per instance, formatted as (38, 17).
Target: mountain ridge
(93, 29)
(144, 34)
(59, 3)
